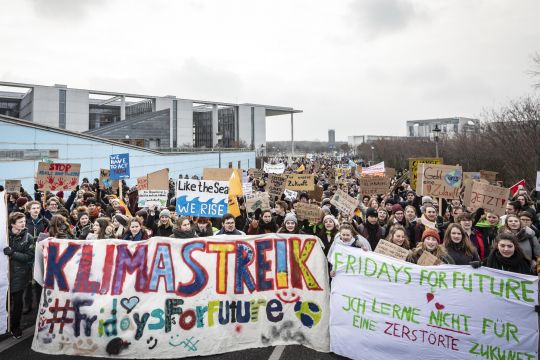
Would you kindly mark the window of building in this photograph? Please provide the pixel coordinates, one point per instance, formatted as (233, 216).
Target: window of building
(175, 123)
(62, 110)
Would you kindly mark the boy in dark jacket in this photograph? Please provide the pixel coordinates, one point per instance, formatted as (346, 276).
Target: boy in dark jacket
(20, 252)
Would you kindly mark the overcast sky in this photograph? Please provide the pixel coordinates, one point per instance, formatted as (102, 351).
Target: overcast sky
(361, 66)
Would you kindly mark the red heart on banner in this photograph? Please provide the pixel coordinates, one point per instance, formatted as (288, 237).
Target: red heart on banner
(429, 297)
(439, 306)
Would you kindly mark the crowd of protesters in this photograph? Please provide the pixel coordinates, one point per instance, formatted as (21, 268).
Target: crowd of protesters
(452, 233)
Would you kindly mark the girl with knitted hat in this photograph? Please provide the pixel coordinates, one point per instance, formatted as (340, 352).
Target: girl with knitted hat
(430, 242)
(328, 232)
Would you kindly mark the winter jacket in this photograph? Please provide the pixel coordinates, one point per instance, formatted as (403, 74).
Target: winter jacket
(22, 245)
(373, 233)
(528, 243)
(37, 226)
(141, 235)
(457, 252)
(515, 263)
(81, 232)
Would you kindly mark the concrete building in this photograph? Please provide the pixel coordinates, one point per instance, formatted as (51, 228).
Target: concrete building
(331, 139)
(24, 144)
(354, 141)
(157, 122)
(449, 126)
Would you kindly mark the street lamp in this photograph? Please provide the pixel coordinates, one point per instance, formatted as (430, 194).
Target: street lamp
(219, 137)
(436, 131)
(372, 155)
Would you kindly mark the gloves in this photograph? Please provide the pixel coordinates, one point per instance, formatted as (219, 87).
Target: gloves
(36, 188)
(475, 264)
(8, 251)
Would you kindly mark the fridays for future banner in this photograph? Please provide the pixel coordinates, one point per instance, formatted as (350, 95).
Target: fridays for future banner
(400, 310)
(173, 298)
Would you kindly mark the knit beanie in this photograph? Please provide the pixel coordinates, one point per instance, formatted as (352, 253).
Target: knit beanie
(431, 232)
(396, 208)
(122, 209)
(371, 212)
(427, 199)
(331, 217)
(165, 213)
(290, 217)
(21, 201)
(123, 220)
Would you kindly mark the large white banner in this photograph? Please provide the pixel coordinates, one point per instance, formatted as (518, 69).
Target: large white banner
(173, 298)
(384, 308)
(374, 170)
(4, 264)
(274, 168)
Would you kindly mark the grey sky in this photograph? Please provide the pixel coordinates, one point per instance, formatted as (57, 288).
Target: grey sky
(361, 66)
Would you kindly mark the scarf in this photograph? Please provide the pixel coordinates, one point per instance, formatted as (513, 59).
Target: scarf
(513, 263)
(179, 234)
(429, 224)
(373, 231)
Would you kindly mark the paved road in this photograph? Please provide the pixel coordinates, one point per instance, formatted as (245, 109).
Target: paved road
(20, 350)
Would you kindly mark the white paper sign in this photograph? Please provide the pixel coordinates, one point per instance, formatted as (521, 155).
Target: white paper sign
(149, 198)
(274, 168)
(538, 181)
(290, 194)
(384, 308)
(247, 188)
(4, 264)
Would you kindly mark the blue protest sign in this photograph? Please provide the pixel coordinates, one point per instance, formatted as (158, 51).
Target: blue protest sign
(119, 166)
(202, 198)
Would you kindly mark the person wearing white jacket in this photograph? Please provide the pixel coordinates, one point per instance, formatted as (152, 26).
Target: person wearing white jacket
(348, 236)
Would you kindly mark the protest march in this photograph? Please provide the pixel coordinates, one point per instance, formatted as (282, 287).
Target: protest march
(427, 262)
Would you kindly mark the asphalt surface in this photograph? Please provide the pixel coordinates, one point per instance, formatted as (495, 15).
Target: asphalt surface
(21, 351)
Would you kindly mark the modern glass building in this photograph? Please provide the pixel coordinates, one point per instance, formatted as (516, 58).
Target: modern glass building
(157, 122)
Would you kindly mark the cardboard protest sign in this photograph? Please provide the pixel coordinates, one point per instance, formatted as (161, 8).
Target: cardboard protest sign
(119, 166)
(142, 183)
(374, 185)
(442, 181)
(105, 181)
(176, 298)
(343, 172)
(255, 173)
(290, 194)
(398, 310)
(300, 182)
(57, 176)
(428, 259)
(275, 185)
(344, 202)
(156, 198)
(490, 176)
(489, 197)
(158, 180)
(260, 200)
(413, 167)
(274, 168)
(12, 185)
(390, 249)
(538, 181)
(310, 212)
(316, 194)
(390, 172)
(221, 174)
(4, 264)
(207, 198)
